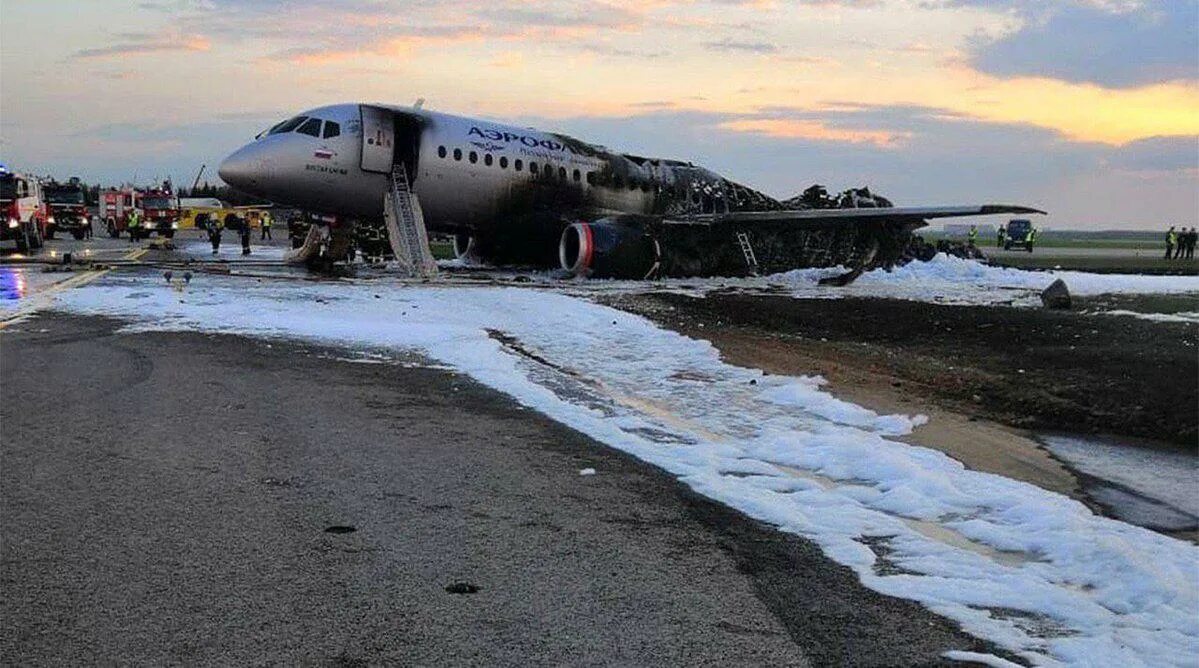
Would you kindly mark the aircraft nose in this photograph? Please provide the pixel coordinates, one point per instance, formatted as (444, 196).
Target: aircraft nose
(242, 169)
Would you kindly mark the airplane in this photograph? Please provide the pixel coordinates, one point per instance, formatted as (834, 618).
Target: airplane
(512, 195)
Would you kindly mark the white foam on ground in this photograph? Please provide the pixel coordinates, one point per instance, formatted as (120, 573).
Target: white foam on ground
(1182, 316)
(231, 249)
(1088, 591)
(944, 279)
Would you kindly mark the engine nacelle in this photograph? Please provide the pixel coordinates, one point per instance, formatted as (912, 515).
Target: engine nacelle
(609, 248)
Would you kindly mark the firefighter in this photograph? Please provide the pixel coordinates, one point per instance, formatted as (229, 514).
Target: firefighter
(1192, 238)
(999, 236)
(266, 225)
(1171, 241)
(244, 230)
(134, 223)
(973, 236)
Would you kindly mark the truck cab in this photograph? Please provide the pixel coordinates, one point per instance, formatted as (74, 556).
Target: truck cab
(23, 215)
(67, 204)
(160, 212)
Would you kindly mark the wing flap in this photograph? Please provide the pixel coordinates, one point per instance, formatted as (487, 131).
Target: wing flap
(815, 218)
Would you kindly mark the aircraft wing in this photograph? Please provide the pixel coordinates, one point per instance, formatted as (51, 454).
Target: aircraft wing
(911, 216)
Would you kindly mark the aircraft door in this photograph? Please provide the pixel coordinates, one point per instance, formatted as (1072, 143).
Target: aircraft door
(378, 139)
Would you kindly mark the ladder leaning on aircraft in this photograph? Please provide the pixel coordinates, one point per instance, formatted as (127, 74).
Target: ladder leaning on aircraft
(514, 195)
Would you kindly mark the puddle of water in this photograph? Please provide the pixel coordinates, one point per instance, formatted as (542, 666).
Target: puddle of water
(1153, 488)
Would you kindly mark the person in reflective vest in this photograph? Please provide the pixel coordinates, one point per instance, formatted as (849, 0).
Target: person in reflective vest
(134, 224)
(266, 225)
(973, 237)
(999, 235)
(1171, 242)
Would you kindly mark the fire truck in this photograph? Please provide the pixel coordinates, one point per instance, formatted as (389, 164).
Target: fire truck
(158, 208)
(68, 208)
(23, 215)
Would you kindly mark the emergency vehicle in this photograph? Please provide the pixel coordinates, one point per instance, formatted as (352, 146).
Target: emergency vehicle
(23, 214)
(1020, 233)
(158, 210)
(67, 207)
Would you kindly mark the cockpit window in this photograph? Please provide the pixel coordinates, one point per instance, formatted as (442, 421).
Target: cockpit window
(288, 125)
(311, 127)
(332, 129)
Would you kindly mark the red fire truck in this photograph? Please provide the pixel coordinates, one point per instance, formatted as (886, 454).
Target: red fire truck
(23, 213)
(157, 207)
(68, 208)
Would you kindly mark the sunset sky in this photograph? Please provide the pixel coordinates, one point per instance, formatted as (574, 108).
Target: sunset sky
(1088, 108)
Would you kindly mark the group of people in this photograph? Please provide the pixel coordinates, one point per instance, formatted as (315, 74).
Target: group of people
(1181, 244)
(214, 226)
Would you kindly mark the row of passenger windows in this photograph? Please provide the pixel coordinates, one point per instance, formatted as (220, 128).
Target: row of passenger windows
(543, 170)
(308, 126)
(518, 164)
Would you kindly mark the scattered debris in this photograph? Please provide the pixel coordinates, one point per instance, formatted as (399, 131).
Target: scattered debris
(340, 529)
(462, 588)
(587, 472)
(1056, 296)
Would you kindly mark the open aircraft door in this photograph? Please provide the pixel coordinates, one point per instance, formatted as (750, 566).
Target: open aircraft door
(378, 139)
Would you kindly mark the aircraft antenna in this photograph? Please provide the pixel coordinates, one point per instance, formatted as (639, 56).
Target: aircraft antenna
(420, 102)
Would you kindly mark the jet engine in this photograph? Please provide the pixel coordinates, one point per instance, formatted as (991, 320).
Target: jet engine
(618, 247)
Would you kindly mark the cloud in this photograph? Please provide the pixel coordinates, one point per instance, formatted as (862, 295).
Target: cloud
(730, 45)
(1112, 43)
(815, 131)
(138, 44)
(1158, 154)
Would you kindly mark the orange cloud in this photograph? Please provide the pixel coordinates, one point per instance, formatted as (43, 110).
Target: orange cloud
(398, 46)
(816, 131)
(142, 45)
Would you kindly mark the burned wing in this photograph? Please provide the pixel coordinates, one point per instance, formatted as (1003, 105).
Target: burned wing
(745, 243)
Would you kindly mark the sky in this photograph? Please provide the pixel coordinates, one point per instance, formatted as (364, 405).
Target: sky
(1086, 108)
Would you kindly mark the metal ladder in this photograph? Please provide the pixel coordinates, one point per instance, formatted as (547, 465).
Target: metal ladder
(751, 260)
(406, 227)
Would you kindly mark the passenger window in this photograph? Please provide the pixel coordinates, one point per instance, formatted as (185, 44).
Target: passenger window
(311, 127)
(562, 173)
(474, 157)
(457, 154)
(549, 170)
(487, 159)
(503, 162)
(533, 168)
(590, 178)
(332, 129)
(288, 126)
(577, 176)
(441, 151)
(518, 165)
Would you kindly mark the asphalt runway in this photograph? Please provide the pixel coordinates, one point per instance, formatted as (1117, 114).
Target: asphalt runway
(190, 498)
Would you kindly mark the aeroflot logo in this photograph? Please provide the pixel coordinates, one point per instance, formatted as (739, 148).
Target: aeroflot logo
(531, 142)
